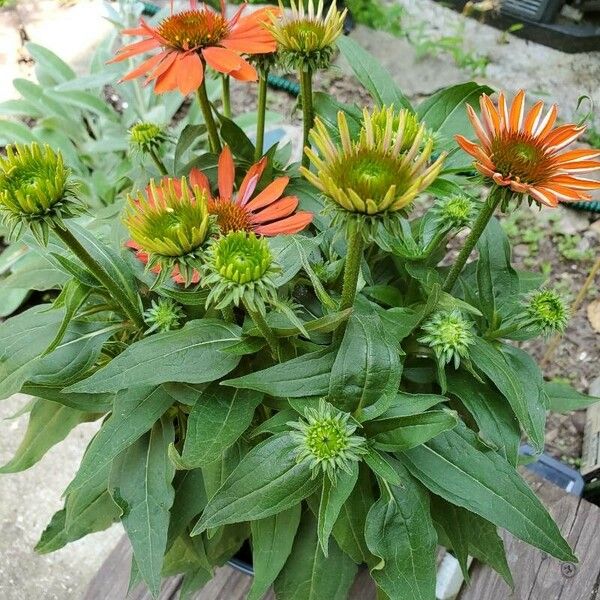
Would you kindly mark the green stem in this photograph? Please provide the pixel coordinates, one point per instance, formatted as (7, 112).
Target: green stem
(433, 245)
(260, 119)
(485, 214)
(265, 330)
(226, 96)
(307, 110)
(160, 165)
(211, 127)
(500, 333)
(98, 272)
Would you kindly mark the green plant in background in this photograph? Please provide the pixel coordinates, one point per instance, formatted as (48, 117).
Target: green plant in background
(275, 351)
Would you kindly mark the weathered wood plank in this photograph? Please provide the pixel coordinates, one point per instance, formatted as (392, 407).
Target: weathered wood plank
(538, 576)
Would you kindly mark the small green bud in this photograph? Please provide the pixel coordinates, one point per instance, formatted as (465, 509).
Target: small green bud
(163, 315)
(146, 137)
(325, 440)
(547, 310)
(35, 190)
(449, 334)
(454, 212)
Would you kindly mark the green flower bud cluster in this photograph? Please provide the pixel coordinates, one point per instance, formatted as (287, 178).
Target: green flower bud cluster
(325, 439)
(146, 137)
(163, 315)
(546, 310)
(449, 335)
(454, 212)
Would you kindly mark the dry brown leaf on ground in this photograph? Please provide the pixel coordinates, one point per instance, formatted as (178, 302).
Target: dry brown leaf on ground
(593, 313)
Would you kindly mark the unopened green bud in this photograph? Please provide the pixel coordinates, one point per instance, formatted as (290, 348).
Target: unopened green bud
(547, 310)
(163, 315)
(449, 335)
(454, 212)
(146, 137)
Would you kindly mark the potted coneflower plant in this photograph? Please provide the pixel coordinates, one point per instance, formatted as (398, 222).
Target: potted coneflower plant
(281, 355)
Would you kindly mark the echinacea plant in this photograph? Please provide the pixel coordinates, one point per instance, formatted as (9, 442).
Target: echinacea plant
(277, 355)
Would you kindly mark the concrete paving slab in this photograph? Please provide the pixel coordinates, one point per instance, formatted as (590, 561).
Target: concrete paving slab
(27, 502)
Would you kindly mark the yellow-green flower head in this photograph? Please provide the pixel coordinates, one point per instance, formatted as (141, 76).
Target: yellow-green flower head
(146, 137)
(35, 190)
(170, 223)
(163, 315)
(403, 122)
(306, 38)
(454, 212)
(449, 335)
(373, 177)
(239, 269)
(325, 439)
(546, 310)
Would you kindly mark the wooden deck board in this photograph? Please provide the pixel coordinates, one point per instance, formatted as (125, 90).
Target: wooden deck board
(537, 576)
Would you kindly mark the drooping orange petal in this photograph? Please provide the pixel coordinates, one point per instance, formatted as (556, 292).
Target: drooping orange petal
(269, 194)
(226, 174)
(287, 226)
(281, 208)
(250, 181)
(134, 49)
(576, 155)
(246, 72)
(167, 80)
(565, 193)
(162, 66)
(562, 137)
(249, 45)
(544, 196)
(221, 59)
(580, 166)
(145, 67)
(197, 177)
(517, 110)
(577, 183)
(190, 73)
(468, 146)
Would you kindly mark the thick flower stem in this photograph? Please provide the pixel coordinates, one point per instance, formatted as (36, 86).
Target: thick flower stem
(211, 127)
(260, 118)
(485, 214)
(116, 292)
(226, 96)
(265, 330)
(160, 165)
(307, 110)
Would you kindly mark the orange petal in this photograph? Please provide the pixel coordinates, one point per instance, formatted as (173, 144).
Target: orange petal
(269, 194)
(134, 49)
(517, 110)
(221, 59)
(167, 80)
(579, 154)
(575, 182)
(226, 174)
(281, 208)
(287, 226)
(564, 192)
(197, 177)
(145, 67)
(533, 117)
(190, 73)
(250, 180)
(562, 137)
(543, 196)
(468, 146)
(547, 123)
(580, 166)
(246, 72)
(477, 126)
(490, 115)
(249, 45)
(503, 110)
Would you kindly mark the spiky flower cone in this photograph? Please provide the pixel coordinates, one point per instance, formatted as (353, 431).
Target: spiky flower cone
(35, 190)
(146, 137)
(449, 334)
(169, 225)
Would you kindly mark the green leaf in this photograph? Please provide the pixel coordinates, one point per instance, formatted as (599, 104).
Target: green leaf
(141, 484)
(415, 430)
(267, 481)
(308, 574)
(380, 464)
(57, 68)
(369, 343)
(12, 132)
(188, 137)
(285, 254)
(402, 405)
(135, 412)
(233, 135)
(563, 398)
(307, 375)
(278, 423)
(272, 540)
(216, 421)
(49, 424)
(455, 466)
(95, 403)
(84, 101)
(333, 496)
(400, 532)
(497, 281)
(510, 375)
(191, 354)
(378, 82)
(493, 415)
(444, 111)
(190, 500)
(217, 473)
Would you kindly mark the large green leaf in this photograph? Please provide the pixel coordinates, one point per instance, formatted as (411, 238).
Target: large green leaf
(457, 467)
(403, 405)
(267, 481)
(562, 397)
(216, 421)
(414, 430)
(141, 484)
(53, 65)
(444, 111)
(493, 415)
(367, 364)
(190, 500)
(95, 403)
(272, 540)
(333, 496)
(307, 375)
(135, 412)
(191, 354)
(378, 82)
(400, 532)
(513, 379)
(308, 574)
(49, 424)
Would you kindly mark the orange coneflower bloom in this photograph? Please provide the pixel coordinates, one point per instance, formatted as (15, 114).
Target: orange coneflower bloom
(191, 39)
(267, 213)
(522, 151)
